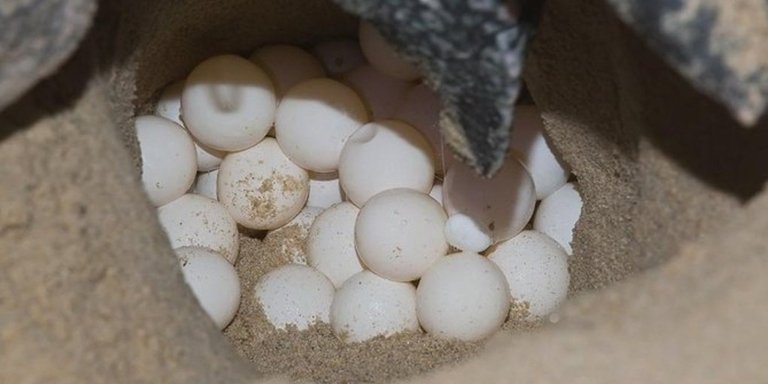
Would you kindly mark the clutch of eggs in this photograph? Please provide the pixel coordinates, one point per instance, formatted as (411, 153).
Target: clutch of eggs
(342, 142)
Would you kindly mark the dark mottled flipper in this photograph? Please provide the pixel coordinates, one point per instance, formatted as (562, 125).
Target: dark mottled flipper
(36, 36)
(719, 46)
(472, 52)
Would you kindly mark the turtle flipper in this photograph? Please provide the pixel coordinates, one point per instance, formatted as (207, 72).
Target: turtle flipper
(472, 54)
(718, 46)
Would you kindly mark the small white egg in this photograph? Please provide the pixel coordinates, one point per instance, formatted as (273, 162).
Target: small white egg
(536, 268)
(261, 187)
(529, 142)
(367, 306)
(382, 55)
(169, 163)
(339, 56)
(385, 155)
(421, 108)
(399, 234)
(437, 191)
(295, 295)
(208, 159)
(381, 93)
(463, 296)
(169, 104)
(287, 65)
(213, 281)
(331, 243)
(197, 221)
(314, 120)
(503, 204)
(463, 232)
(169, 107)
(205, 184)
(557, 215)
(324, 190)
(228, 103)
(292, 237)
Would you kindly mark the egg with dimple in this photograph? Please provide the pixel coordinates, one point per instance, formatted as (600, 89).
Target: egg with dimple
(399, 234)
(529, 142)
(368, 305)
(261, 187)
(169, 163)
(557, 215)
(331, 243)
(464, 296)
(503, 204)
(228, 103)
(314, 120)
(536, 268)
(287, 65)
(384, 155)
(382, 55)
(194, 220)
(169, 107)
(339, 56)
(295, 295)
(381, 93)
(213, 281)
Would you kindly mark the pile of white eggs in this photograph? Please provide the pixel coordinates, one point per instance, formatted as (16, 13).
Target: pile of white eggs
(345, 141)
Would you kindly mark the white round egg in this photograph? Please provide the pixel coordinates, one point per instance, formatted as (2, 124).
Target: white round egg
(463, 296)
(331, 243)
(339, 56)
(557, 215)
(205, 184)
(213, 281)
(261, 187)
(295, 295)
(169, 163)
(324, 190)
(287, 65)
(503, 204)
(169, 104)
(385, 155)
(291, 238)
(197, 221)
(208, 159)
(529, 142)
(381, 93)
(382, 55)
(421, 108)
(464, 233)
(228, 103)
(314, 120)
(169, 107)
(536, 268)
(399, 234)
(367, 306)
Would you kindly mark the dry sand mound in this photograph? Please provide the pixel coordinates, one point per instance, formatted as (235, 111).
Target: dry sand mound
(669, 255)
